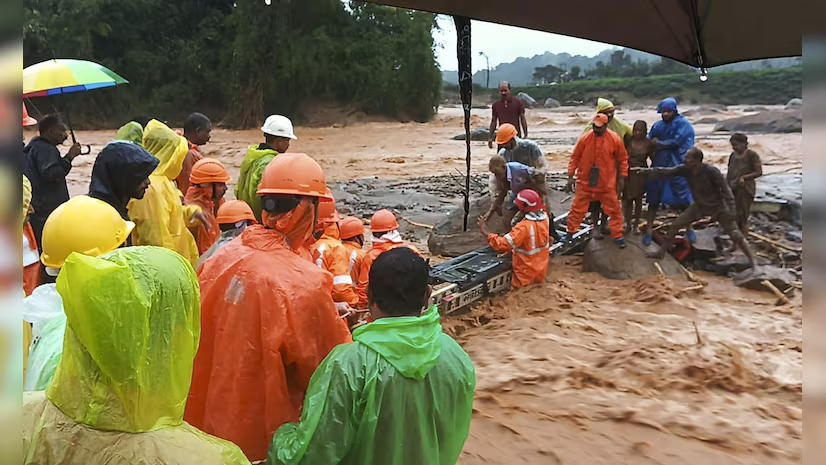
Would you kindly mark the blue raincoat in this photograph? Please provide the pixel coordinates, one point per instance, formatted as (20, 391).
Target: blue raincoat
(674, 138)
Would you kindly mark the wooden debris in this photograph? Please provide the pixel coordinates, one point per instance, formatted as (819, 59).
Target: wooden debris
(659, 269)
(781, 297)
(567, 198)
(692, 277)
(421, 225)
(697, 333)
(775, 243)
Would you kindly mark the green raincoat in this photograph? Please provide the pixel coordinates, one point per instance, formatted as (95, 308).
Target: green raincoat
(133, 326)
(252, 169)
(400, 394)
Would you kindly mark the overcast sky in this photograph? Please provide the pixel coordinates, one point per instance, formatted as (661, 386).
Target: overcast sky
(503, 44)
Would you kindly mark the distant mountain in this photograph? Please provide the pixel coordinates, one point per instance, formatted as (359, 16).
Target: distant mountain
(520, 71)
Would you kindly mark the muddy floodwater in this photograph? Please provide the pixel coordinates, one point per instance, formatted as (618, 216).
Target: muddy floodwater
(583, 370)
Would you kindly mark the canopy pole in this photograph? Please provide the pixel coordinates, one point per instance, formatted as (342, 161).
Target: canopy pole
(463, 54)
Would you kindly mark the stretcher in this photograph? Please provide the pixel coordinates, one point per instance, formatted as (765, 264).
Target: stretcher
(460, 282)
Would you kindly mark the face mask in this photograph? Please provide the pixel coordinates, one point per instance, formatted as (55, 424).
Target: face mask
(296, 225)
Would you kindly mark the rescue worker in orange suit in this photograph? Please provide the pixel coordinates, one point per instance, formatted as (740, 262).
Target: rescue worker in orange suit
(352, 237)
(233, 217)
(267, 316)
(598, 155)
(529, 240)
(385, 229)
(330, 255)
(208, 185)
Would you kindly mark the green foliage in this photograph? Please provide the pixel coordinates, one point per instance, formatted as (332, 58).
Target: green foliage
(238, 61)
(547, 74)
(621, 65)
(769, 86)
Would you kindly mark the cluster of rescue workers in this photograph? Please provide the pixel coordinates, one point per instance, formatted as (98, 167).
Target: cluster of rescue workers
(289, 344)
(167, 325)
(610, 175)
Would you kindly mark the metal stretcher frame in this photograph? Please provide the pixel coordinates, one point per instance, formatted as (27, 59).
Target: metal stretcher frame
(464, 280)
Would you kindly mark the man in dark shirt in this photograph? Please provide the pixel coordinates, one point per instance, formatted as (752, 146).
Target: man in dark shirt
(47, 170)
(712, 197)
(508, 109)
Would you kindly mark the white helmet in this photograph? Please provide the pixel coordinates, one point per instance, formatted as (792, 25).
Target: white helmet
(278, 126)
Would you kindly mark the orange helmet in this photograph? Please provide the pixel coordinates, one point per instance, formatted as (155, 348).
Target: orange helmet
(208, 170)
(350, 227)
(295, 174)
(327, 209)
(233, 211)
(505, 133)
(383, 221)
(27, 120)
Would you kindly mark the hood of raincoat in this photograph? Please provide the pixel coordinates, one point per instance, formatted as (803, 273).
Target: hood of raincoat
(202, 197)
(669, 103)
(131, 131)
(604, 104)
(118, 171)
(297, 225)
(331, 231)
(133, 326)
(167, 146)
(412, 344)
(255, 153)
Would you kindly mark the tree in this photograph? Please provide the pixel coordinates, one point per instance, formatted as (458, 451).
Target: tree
(547, 74)
(575, 72)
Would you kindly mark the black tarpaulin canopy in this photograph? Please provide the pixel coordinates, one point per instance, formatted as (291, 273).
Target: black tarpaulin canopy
(699, 33)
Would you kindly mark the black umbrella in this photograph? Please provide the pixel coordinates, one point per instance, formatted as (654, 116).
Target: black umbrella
(699, 33)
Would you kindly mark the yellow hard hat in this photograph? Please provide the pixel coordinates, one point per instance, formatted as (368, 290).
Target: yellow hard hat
(84, 225)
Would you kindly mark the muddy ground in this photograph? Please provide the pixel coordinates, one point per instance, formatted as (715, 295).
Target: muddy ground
(582, 369)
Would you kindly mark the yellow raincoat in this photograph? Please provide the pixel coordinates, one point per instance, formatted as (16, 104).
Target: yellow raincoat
(118, 395)
(131, 131)
(616, 124)
(160, 217)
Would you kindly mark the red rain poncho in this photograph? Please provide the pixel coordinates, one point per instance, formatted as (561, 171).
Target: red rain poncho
(268, 320)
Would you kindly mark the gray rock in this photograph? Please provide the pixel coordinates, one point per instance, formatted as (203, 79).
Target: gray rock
(705, 109)
(764, 122)
(752, 109)
(636, 106)
(753, 278)
(794, 104)
(481, 134)
(707, 120)
(526, 99)
(448, 239)
(795, 236)
(552, 103)
(606, 259)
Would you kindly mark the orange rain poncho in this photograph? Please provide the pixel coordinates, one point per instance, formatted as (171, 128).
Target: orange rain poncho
(329, 254)
(160, 217)
(355, 258)
(389, 241)
(201, 196)
(529, 241)
(607, 152)
(120, 388)
(267, 322)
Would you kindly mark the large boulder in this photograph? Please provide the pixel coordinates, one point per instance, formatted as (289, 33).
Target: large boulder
(636, 106)
(552, 103)
(526, 99)
(481, 134)
(449, 240)
(705, 109)
(707, 120)
(781, 278)
(794, 104)
(611, 262)
(780, 121)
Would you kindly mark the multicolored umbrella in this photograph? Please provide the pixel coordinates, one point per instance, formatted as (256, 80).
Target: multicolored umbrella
(63, 76)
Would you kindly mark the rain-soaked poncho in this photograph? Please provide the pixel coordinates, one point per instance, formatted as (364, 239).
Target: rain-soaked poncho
(268, 321)
(132, 333)
(131, 131)
(160, 217)
(252, 169)
(616, 124)
(224, 239)
(674, 139)
(401, 393)
(44, 310)
(202, 196)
